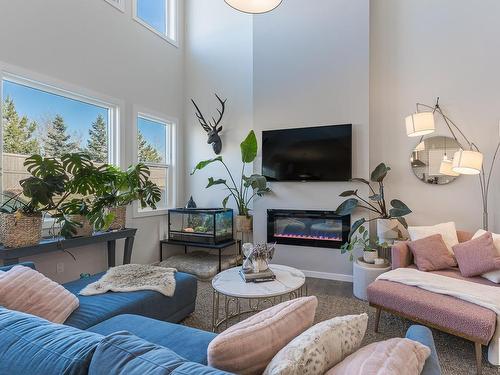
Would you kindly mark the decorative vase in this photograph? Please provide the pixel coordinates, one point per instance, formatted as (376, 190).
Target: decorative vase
(244, 223)
(120, 217)
(389, 230)
(370, 256)
(86, 229)
(259, 265)
(20, 230)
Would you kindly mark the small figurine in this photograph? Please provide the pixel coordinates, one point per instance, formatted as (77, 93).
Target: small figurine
(191, 203)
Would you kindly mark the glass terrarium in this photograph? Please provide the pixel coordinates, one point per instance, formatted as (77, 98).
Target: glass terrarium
(200, 225)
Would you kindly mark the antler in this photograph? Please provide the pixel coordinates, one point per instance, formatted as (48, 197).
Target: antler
(221, 113)
(201, 118)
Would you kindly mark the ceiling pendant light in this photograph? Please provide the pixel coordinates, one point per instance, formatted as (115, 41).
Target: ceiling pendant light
(254, 6)
(420, 124)
(467, 162)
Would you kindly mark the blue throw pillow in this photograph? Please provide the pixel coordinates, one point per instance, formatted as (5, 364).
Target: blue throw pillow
(31, 345)
(122, 353)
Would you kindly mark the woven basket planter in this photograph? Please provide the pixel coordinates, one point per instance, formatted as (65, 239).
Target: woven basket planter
(120, 217)
(244, 223)
(86, 229)
(20, 230)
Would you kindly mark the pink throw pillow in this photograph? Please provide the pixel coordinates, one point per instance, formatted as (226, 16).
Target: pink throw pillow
(391, 357)
(26, 290)
(248, 347)
(431, 253)
(477, 256)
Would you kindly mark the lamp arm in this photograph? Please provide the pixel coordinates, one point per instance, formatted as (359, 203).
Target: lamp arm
(490, 172)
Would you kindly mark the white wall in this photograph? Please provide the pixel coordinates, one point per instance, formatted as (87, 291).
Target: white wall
(91, 47)
(421, 49)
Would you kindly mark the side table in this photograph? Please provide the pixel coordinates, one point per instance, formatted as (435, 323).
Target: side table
(363, 275)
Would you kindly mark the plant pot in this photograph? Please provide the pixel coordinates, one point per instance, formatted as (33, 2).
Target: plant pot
(20, 230)
(244, 223)
(120, 217)
(86, 229)
(389, 230)
(370, 256)
(259, 265)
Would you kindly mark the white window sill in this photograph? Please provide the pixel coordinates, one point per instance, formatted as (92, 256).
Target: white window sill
(166, 38)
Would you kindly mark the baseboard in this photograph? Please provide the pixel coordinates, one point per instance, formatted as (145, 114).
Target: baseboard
(328, 276)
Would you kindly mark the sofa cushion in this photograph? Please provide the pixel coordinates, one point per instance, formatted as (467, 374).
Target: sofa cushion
(24, 289)
(477, 256)
(122, 353)
(188, 342)
(448, 312)
(95, 309)
(320, 347)
(31, 345)
(431, 254)
(247, 347)
(390, 357)
(25, 264)
(191, 368)
(447, 230)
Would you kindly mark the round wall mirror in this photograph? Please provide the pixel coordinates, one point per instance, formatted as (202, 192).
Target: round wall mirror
(431, 160)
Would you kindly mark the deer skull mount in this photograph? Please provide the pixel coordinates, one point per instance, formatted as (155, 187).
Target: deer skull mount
(212, 127)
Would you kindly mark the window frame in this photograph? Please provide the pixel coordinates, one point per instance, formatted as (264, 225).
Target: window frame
(172, 22)
(117, 4)
(171, 124)
(58, 88)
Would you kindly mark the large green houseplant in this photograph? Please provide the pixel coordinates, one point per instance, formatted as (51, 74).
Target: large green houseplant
(390, 219)
(244, 189)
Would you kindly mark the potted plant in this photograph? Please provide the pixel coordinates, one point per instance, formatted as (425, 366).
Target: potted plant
(246, 188)
(361, 239)
(391, 223)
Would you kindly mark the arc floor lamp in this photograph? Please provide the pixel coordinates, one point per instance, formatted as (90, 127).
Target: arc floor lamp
(468, 160)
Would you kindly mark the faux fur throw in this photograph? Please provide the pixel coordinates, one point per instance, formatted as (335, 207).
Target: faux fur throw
(133, 277)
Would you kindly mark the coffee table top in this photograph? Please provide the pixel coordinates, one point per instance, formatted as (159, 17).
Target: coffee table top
(230, 283)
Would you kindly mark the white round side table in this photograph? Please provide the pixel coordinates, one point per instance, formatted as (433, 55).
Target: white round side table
(229, 288)
(364, 275)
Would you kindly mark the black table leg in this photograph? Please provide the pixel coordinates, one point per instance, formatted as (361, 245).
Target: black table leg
(220, 260)
(161, 251)
(185, 249)
(111, 253)
(127, 251)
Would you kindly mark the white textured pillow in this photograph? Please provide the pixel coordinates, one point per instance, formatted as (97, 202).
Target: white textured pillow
(447, 230)
(320, 347)
(493, 276)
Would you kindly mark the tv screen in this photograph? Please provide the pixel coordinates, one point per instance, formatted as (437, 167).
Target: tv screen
(320, 153)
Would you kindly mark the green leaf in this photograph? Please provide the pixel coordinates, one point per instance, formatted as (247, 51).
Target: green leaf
(212, 182)
(76, 162)
(348, 193)
(403, 222)
(379, 172)
(400, 209)
(249, 148)
(204, 163)
(257, 182)
(347, 207)
(357, 179)
(225, 200)
(375, 197)
(358, 224)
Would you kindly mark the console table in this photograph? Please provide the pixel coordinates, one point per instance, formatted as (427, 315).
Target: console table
(47, 245)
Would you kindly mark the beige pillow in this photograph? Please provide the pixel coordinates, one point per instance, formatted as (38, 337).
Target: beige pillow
(320, 347)
(247, 347)
(493, 276)
(447, 230)
(26, 290)
(391, 357)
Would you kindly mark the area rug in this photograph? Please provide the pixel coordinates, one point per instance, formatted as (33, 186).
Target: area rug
(456, 355)
(134, 277)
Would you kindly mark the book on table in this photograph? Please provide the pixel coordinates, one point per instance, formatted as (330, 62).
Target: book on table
(258, 277)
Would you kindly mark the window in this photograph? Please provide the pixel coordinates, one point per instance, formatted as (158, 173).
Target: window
(37, 118)
(118, 4)
(159, 16)
(154, 148)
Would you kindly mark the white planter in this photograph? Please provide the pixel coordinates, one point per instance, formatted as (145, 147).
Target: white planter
(370, 256)
(389, 230)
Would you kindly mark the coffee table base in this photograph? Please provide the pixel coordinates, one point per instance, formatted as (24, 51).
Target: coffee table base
(232, 306)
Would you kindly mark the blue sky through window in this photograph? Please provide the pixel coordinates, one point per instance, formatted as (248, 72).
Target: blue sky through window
(154, 13)
(155, 133)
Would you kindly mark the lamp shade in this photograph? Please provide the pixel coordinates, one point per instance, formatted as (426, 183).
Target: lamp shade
(446, 168)
(467, 162)
(254, 6)
(419, 124)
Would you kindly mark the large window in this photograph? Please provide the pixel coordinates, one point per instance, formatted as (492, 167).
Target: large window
(154, 148)
(159, 16)
(38, 118)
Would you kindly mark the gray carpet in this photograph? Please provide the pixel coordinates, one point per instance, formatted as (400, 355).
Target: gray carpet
(335, 299)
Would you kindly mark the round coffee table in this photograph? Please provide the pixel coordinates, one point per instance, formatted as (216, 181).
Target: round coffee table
(229, 290)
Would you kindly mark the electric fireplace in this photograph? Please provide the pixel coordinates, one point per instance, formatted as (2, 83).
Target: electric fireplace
(307, 228)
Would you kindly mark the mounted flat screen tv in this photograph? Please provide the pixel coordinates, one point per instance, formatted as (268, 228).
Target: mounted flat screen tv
(322, 153)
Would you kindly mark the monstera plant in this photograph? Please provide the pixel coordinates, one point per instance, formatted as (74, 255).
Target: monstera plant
(390, 218)
(244, 189)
